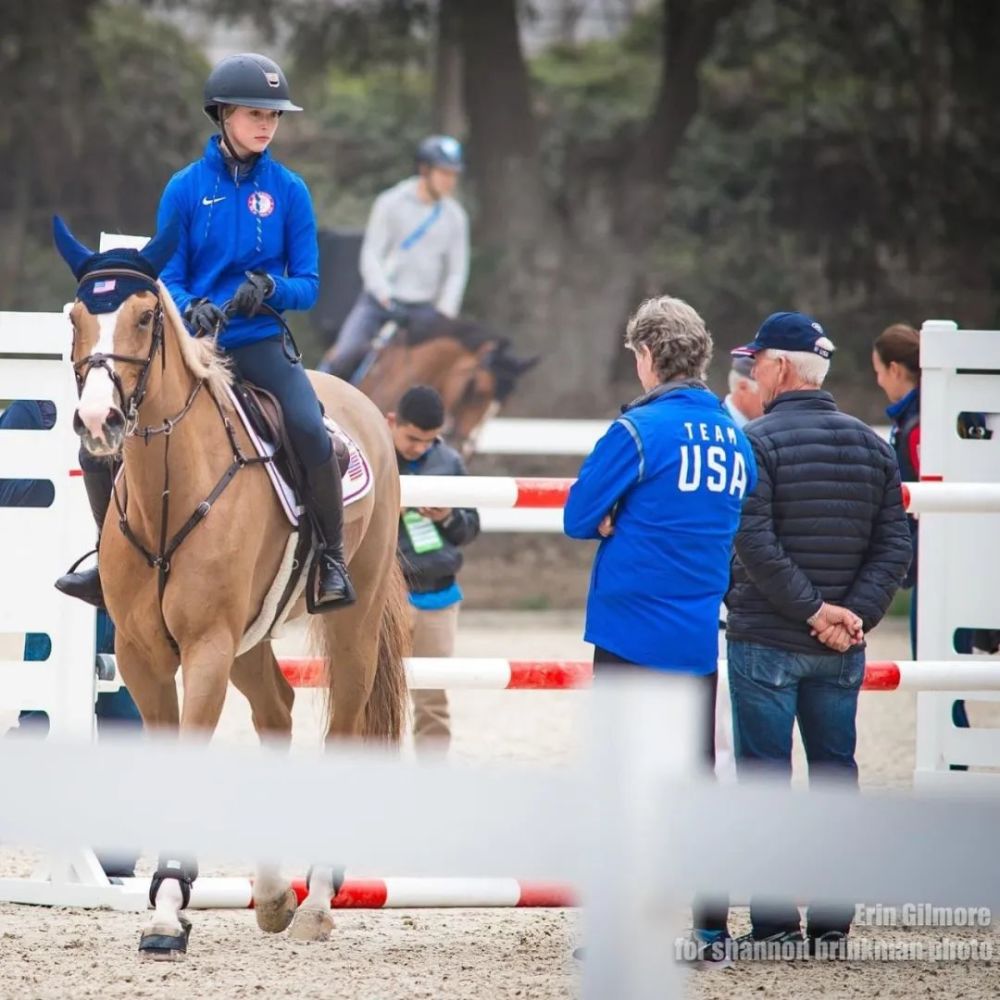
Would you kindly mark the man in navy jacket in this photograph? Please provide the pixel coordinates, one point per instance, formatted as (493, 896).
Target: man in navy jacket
(823, 545)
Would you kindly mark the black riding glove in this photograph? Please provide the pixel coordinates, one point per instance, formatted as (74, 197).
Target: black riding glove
(205, 318)
(249, 297)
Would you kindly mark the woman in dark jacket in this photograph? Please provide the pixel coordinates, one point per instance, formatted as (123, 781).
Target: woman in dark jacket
(896, 360)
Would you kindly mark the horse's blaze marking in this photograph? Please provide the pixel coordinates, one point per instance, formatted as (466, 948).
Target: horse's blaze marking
(98, 394)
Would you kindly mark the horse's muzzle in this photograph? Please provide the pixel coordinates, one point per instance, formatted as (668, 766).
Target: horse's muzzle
(101, 436)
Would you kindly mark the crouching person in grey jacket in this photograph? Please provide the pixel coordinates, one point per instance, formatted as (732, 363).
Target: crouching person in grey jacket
(823, 545)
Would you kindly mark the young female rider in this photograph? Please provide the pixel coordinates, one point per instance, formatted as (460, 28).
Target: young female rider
(248, 237)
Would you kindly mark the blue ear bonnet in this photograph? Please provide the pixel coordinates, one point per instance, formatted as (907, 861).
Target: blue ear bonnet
(108, 279)
(104, 292)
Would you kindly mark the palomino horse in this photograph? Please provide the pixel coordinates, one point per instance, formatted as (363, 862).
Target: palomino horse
(469, 365)
(157, 397)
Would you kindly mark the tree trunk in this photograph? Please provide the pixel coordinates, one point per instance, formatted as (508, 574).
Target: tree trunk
(688, 31)
(449, 108)
(559, 291)
(562, 267)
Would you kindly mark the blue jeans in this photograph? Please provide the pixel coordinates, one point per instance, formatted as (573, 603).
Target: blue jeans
(770, 689)
(362, 324)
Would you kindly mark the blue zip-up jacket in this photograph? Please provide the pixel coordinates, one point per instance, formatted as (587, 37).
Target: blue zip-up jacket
(905, 441)
(228, 226)
(673, 469)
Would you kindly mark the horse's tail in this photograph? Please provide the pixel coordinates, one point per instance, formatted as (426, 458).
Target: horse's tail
(385, 713)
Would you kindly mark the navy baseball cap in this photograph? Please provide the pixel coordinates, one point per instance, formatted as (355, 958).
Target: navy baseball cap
(786, 331)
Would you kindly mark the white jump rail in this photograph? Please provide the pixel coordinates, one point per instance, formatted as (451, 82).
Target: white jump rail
(544, 493)
(527, 436)
(625, 827)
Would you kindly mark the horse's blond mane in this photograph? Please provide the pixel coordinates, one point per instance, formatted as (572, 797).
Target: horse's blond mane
(200, 355)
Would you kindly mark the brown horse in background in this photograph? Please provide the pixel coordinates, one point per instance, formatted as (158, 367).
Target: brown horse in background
(470, 366)
(140, 372)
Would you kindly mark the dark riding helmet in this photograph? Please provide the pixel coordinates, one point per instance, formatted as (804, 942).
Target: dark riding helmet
(250, 80)
(440, 151)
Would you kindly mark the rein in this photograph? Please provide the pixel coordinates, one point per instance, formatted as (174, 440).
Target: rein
(167, 548)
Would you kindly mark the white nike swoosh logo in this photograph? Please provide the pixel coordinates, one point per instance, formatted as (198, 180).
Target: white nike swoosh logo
(212, 201)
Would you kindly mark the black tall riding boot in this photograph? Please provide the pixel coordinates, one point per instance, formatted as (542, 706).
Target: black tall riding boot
(86, 583)
(326, 502)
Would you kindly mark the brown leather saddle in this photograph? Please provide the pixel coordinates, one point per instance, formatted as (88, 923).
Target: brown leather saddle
(264, 413)
(267, 418)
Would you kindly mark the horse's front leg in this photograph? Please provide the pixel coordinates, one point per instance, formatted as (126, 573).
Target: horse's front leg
(258, 677)
(205, 666)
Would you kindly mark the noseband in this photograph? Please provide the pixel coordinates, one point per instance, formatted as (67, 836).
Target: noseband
(81, 369)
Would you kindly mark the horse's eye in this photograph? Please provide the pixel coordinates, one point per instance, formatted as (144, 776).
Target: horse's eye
(146, 318)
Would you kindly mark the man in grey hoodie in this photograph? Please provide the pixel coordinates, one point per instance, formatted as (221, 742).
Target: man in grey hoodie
(415, 255)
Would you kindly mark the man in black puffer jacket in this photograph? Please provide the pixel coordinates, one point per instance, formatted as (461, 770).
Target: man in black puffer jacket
(822, 547)
(429, 540)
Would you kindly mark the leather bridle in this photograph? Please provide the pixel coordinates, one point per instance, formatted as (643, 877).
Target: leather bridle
(159, 560)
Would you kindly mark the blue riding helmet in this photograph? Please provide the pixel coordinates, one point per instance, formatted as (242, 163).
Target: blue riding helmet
(441, 151)
(250, 81)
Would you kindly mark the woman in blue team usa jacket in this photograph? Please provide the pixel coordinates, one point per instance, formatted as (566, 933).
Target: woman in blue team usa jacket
(248, 236)
(662, 490)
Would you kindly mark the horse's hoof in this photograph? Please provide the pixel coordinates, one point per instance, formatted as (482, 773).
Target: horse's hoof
(311, 924)
(161, 943)
(275, 914)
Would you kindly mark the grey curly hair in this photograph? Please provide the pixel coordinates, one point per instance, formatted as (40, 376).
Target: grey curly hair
(678, 342)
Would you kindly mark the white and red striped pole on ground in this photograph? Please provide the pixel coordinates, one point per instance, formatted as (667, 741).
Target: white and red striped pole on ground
(540, 493)
(213, 893)
(483, 674)
(491, 674)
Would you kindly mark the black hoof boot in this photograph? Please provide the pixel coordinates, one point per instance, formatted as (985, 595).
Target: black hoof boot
(165, 946)
(84, 584)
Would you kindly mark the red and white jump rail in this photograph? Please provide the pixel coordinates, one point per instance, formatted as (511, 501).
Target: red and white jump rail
(482, 674)
(484, 491)
(209, 893)
(489, 674)
(543, 493)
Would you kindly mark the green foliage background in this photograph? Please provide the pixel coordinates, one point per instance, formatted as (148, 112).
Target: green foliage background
(843, 158)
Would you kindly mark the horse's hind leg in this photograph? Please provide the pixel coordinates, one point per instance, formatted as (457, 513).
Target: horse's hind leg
(258, 677)
(314, 920)
(350, 638)
(352, 657)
